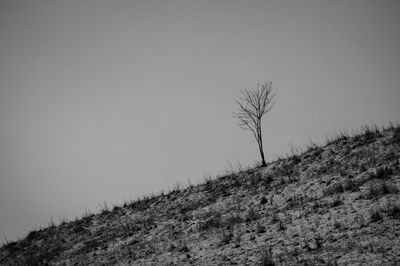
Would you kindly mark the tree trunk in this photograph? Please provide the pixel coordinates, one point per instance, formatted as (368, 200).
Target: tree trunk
(260, 147)
(263, 163)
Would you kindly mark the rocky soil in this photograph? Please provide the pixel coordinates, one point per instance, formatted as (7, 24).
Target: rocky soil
(333, 205)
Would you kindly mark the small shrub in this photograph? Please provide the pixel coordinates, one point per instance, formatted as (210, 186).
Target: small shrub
(11, 247)
(393, 210)
(350, 185)
(363, 168)
(184, 249)
(375, 216)
(38, 256)
(391, 156)
(284, 170)
(396, 136)
(332, 262)
(296, 159)
(260, 228)
(171, 247)
(233, 220)
(337, 224)
(140, 204)
(266, 181)
(213, 221)
(334, 189)
(266, 258)
(255, 179)
(391, 187)
(297, 200)
(337, 201)
(318, 241)
(370, 133)
(383, 173)
(376, 189)
(275, 218)
(360, 220)
(32, 235)
(251, 215)
(226, 237)
(282, 225)
(237, 240)
(180, 246)
(192, 205)
(263, 200)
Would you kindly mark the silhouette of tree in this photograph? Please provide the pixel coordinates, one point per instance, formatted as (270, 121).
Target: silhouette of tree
(252, 106)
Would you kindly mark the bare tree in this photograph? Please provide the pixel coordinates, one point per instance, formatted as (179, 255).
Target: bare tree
(252, 106)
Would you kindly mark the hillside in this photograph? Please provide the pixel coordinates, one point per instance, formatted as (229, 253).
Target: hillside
(333, 205)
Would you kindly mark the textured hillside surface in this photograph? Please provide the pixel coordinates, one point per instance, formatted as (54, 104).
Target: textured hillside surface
(332, 205)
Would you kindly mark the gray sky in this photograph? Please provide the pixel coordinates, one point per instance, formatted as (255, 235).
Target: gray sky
(105, 101)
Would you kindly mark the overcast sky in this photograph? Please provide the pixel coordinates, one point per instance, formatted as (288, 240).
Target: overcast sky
(105, 101)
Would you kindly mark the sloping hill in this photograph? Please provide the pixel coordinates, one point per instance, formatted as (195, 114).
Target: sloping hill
(337, 204)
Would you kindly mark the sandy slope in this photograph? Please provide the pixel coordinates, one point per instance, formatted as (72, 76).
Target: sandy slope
(337, 204)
